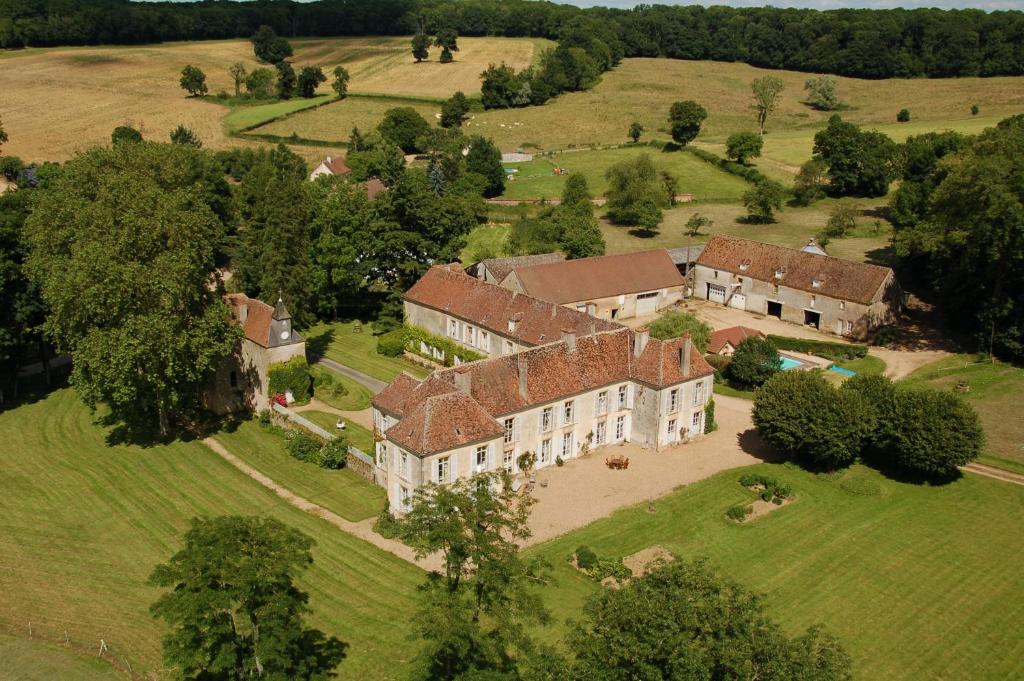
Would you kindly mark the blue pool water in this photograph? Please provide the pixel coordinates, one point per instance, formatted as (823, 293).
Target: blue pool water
(789, 363)
(840, 370)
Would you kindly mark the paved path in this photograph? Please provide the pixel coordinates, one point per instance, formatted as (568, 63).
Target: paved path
(362, 529)
(374, 384)
(997, 473)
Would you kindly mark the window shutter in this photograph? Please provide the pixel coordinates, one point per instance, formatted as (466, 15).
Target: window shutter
(515, 429)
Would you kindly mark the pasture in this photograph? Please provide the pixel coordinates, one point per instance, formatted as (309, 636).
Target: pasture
(995, 389)
(914, 580)
(36, 660)
(536, 179)
(85, 522)
(334, 122)
(61, 100)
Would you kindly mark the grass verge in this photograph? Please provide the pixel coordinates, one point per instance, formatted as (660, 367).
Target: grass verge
(341, 342)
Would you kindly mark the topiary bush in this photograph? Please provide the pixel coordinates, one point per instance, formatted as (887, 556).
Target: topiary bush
(585, 558)
(324, 385)
(709, 417)
(386, 524)
(304, 447)
(739, 512)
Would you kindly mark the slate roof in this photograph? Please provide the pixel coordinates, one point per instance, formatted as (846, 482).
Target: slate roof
(512, 383)
(450, 290)
(685, 255)
(258, 318)
(500, 267)
(602, 276)
(734, 335)
(842, 279)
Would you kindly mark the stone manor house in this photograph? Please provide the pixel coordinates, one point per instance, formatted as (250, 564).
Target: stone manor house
(556, 383)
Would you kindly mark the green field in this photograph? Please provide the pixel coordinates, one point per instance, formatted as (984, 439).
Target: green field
(35, 660)
(85, 522)
(340, 341)
(356, 396)
(917, 581)
(357, 436)
(343, 492)
(536, 179)
(334, 122)
(996, 390)
(244, 117)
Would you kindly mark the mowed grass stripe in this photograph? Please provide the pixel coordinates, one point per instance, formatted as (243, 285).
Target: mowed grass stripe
(86, 522)
(918, 581)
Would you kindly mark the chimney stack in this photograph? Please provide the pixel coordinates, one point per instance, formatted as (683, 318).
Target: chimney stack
(640, 338)
(569, 336)
(513, 322)
(684, 357)
(243, 312)
(523, 392)
(464, 380)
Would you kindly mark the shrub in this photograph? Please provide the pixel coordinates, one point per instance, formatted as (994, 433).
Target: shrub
(392, 343)
(720, 363)
(743, 146)
(755, 361)
(739, 512)
(386, 524)
(799, 412)
(585, 558)
(975, 110)
(11, 167)
(762, 200)
(324, 385)
(609, 567)
(709, 417)
(304, 447)
(291, 376)
(903, 116)
(885, 335)
(559, 461)
(333, 454)
(834, 351)
(746, 172)
(263, 417)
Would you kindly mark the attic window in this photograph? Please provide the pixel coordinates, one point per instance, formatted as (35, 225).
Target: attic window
(744, 266)
(817, 282)
(779, 273)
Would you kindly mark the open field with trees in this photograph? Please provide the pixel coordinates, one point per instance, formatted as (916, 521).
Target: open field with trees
(85, 522)
(891, 561)
(61, 100)
(994, 388)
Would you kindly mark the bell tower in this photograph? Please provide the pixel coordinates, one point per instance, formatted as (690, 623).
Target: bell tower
(280, 325)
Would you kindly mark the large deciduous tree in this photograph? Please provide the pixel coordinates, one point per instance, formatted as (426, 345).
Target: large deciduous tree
(454, 110)
(636, 196)
(754, 362)
(273, 211)
(484, 159)
(860, 163)
(684, 119)
(193, 80)
(309, 80)
(233, 607)
(340, 82)
(743, 146)
(821, 93)
(475, 617)
(122, 248)
(286, 80)
(676, 323)
(269, 47)
(766, 91)
(802, 414)
(762, 200)
(420, 46)
(403, 126)
(238, 73)
(683, 621)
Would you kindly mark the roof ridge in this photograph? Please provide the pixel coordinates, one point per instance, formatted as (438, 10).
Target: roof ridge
(796, 250)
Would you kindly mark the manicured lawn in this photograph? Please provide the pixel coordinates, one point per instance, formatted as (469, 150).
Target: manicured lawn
(339, 341)
(343, 492)
(36, 660)
(996, 390)
(723, 388)
(536, 179)
(865, 365)
(485, 241)
(343, 393)
(357, 436)
(84, 523)
(918, 582)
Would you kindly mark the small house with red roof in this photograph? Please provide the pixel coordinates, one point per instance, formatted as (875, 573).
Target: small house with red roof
(332, 165)
(725, 341)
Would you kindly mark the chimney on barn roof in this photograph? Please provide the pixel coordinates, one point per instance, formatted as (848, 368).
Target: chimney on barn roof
(640, 338)
(684, 357)
(243, 313)
(454, 267)
(569, 337)
(513, 322)
(464, 379)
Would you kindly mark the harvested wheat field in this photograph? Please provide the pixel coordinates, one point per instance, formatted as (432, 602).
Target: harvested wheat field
(62, 100)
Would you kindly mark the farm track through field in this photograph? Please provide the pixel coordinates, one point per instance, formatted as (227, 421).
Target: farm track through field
(363, 529)
(996, 473)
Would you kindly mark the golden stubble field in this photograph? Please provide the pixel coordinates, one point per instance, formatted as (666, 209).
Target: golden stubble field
(57, 101)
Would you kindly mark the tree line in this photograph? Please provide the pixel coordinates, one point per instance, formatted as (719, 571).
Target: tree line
(849, 42)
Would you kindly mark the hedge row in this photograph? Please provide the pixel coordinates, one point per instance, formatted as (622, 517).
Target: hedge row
(408, 338)
(752, 175)
(834, 351)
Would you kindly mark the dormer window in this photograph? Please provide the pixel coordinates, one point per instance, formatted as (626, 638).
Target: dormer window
(817, 282)
(780, 272)
(744, 266)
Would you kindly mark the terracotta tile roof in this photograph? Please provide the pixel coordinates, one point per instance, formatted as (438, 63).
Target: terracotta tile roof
(734, 335)
(258, 316)
(443, 422)
(373, 187)
(500, 267)
(602, 276)
(337, 165)
(842, 279)
(512, 383)
(489, 306)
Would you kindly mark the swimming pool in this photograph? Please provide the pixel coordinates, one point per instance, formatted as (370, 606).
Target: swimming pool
(840, 370)
(790, 363)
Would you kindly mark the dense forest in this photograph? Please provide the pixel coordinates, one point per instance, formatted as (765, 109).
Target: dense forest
(859, 43)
